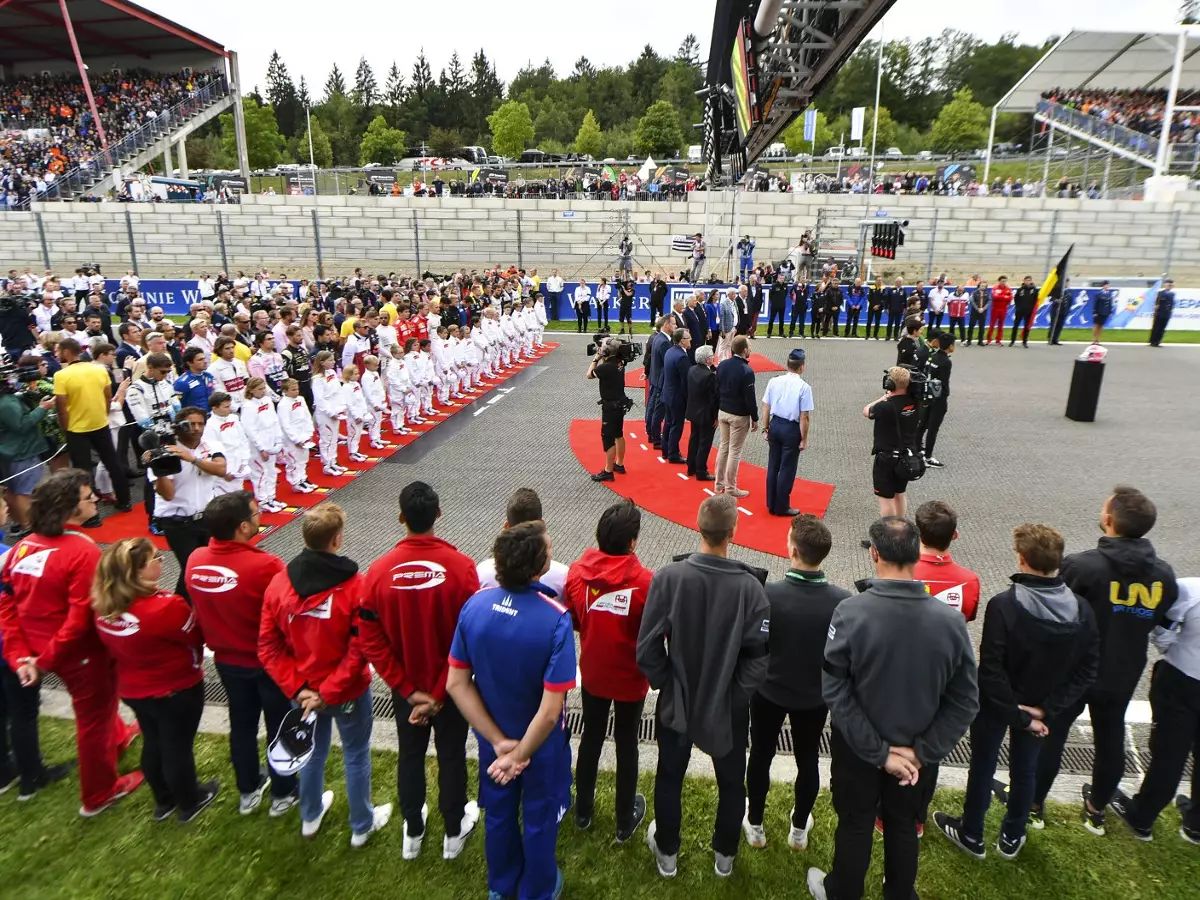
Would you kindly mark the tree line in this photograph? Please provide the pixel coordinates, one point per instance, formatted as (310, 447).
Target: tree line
(935, 94)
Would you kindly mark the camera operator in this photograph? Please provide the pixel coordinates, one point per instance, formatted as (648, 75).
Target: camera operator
(152, 403)
(896, 416)
(608, 368)
(18, 327)
(183, 495)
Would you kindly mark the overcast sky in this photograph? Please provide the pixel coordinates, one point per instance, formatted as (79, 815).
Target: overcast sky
(311, 35)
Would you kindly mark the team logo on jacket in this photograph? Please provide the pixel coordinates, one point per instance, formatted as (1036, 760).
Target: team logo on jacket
(322, 610)
(417, 575)
(615, 602)
(213, 579)
(34, 564)
(126, 625)
(951, 596)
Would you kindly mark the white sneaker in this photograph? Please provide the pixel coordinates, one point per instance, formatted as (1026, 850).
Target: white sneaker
(816, 884)
(281, 805)
(303, 488)
(309, 829)
(798, 837)
(452, 846)
(383, 815)
(412, 845)
(755, 835)
(251, 801)
(330, 470)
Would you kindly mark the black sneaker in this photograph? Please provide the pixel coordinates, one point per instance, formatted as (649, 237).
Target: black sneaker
(619, 469)
(933, 463)
(8, 777)
(1092, 821)
(639, 813)
(208, 793)
(952, 829)
(583, 821)
(163, 811)
(1124, 809)
(49, 775)
(1009, 847)
(604, 476)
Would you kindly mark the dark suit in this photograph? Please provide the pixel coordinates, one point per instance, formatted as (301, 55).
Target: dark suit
(674, 399)
(701, 413)
(743, 315)
(697, 324)
(660, 344)
(778, 306)
(754, 305)
(658, 296)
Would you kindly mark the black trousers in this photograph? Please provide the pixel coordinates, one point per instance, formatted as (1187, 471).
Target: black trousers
(799, 310)
(1175, 700)
(931, 424)
(700, 441)
(976, 319)
(253, 695)
(852, 315)
(127, 439)
(775, 311)
(1108, 734)
(184, 534)
(602, 314)
(830, 319)
(450, 742)
(860, 792)
(674, 751)
(627, 716)
(960, 323)
(783, 455)
(766, 721)
(656, 308)
(1157, 329)
(169, 726)
(935, 319)
(80, 445)
(1021, 316)
(581, 319)
(874, 316)
(552, 300)
(894, 323)
(19, 748)
(818, 316)
(1058, 318)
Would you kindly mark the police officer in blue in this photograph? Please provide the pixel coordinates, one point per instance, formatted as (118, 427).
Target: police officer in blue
(1164, 305)
(512, 662)
(1102, 309)
(786, 409)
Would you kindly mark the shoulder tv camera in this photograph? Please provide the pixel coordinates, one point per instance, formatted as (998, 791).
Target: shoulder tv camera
(613, 349)
(155, 440)
(921, 388)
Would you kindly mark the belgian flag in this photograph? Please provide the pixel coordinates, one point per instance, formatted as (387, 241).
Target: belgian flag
(1052, 287)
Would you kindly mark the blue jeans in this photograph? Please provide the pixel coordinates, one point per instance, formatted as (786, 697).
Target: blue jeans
(354, 728)
(987, 734)
(745, 267)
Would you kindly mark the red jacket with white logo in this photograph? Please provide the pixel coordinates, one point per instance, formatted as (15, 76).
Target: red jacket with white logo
(309, 629)
(226, 581)
(606, 596)
(46, 600)
(410, 608)
(1001, 296)
(949, 582)
(157, 646)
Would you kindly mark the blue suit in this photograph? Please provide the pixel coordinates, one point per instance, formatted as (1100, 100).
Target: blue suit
(674, 399)
(659, 345)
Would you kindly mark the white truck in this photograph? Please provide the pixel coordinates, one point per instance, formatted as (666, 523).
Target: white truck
(695, 154)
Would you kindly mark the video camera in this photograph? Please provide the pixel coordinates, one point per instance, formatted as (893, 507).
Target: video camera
(613, 348)
(921, 388)
(156, 439)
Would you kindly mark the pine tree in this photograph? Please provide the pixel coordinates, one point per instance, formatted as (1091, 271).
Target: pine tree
(422, 76)
(584, 70)
(281, 95)
(302, 97)
(335, 84)
(454, 79)
(366, 90)
(689, 51)
(393, 91)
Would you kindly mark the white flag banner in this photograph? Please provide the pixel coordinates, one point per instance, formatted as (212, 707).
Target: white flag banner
(858, 116)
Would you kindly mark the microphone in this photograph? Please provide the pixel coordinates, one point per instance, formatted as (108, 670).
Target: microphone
(149, 440)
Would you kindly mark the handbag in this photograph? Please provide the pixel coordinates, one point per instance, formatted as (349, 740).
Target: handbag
(908, 465)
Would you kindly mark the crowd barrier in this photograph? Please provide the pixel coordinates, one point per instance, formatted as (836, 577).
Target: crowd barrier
(1134, 308)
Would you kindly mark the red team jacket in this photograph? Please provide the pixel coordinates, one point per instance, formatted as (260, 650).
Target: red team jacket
(411, 601)
(226, 581)
(1001, 296)
(46, 600)
(157, 646)
(955, 586)
(607, 596)
(307, 642)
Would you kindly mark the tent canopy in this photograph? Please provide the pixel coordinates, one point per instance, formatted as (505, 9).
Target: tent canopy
(647, 169)
(1104, 60)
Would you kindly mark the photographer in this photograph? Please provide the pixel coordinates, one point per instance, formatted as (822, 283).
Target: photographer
(152, 403)
(895, 415)
(609, 370)
(18, 328)
(183, 495)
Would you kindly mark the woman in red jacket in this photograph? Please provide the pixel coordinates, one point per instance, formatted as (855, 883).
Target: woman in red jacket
(153, 638)
(606, 592)
(307, 643)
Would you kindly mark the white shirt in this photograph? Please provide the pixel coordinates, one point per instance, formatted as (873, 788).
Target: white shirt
(554, 578)
(937, 299)
(206, 287)
(554, 284)
(43, 315)
(583, 296)
(788, 395)
(193, 488)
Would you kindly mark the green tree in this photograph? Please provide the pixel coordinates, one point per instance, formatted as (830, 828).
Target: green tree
(512, 128)
(264, 143)
(961, 125)
(658, 131)
(618, 143)
(393, 88)
(366, 90)
(886, 136)
(553, 122)
(281, 94)
(645, 74)
(678, 87)
(589, 139)
(340, 119)
(335, 83)
(445, 142)
(793, 135)
(381, 143)
(322, 149)
(303, 100)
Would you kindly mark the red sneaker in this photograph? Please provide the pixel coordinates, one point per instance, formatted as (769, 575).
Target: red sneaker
(133, 731)
(125, 786)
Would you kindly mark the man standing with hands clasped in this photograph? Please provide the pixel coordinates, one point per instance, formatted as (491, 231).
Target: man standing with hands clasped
(893, 712)
(786, 409)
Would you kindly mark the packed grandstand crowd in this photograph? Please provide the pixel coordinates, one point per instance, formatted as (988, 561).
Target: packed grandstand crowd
(47, 128)
(1140, 110)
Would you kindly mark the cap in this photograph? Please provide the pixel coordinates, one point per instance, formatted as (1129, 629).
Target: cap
(293, 745)
(797, 355)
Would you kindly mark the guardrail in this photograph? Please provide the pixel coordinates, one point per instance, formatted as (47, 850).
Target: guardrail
(1181, 153)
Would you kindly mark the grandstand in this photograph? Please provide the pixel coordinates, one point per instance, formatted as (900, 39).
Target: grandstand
(1131, 96)
(93, 90)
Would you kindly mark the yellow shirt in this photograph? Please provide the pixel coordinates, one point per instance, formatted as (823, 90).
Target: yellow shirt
(390, 309)
(348, 327)
(537, 283)
(84, 385)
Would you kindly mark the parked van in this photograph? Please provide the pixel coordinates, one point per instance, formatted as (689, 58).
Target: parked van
(695, 154)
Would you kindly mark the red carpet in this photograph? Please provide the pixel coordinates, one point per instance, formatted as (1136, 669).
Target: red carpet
(133, 524)
(651, 484)
(758, 362)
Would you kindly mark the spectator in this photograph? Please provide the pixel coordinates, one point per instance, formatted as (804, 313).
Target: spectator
(716, 615)
(523, 506)
(701, 413)
(412, 598)
(22, 443)
(606, 593)
(317, 662)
